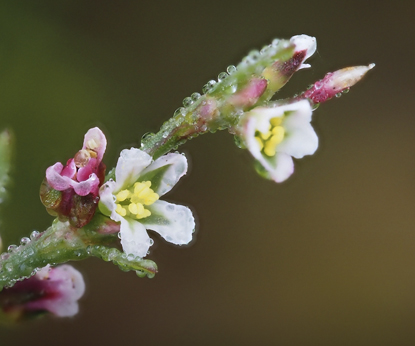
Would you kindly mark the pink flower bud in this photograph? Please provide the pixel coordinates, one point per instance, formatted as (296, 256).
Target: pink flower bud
(336, 82)
(55, 290)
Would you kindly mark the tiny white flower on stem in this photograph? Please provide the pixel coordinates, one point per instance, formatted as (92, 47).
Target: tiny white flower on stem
(133, 200)
(277, 134)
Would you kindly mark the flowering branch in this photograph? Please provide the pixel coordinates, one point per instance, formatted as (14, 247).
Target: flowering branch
(93, 210)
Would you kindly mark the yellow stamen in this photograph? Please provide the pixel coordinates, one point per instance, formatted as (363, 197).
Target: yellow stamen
(132, 208)
(134, 200)
(269, 149)
(278, 134)
(269, 141)
(266, 135)
(144, 214)
(276, 121)
(151, 198)
(120, 210)
(123, 195)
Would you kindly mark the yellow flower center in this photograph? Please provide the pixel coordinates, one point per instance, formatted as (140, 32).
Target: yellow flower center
(269, 140)
(131, 202)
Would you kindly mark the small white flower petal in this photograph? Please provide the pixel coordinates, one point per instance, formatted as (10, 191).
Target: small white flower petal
(284, 167)
(301, 138)
(129, 167)
(175, 223)
(134, 237)
(177, 167)
(307, 43)
(107, 200)
(303, 141)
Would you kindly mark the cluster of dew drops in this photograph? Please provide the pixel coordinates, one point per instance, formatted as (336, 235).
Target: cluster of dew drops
(250, 59)
(25, 253)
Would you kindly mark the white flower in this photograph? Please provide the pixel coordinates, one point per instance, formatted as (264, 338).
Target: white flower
(275, 135)
(133, 200)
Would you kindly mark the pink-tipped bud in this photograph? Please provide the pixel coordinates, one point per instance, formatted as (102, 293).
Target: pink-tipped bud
(336, 82)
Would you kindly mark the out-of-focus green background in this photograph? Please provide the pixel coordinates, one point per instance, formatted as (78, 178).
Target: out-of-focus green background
(327, 258)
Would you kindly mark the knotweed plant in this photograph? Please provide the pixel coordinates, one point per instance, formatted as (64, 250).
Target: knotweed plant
(108, 213)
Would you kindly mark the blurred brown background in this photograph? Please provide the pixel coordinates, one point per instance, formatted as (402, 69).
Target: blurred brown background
(326, 258)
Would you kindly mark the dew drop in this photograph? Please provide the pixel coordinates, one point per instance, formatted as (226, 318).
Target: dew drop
(195, 96)
(170, 207)
(151, 241)
(264, 50)
(239, 143)
(338, 95)
(12, 248)
(178, 111)
(275, 42)
(205, 88)
(254, 55)
(4, 256)
(147, 135)
(24, 241)
(131, 257)
(345, 91)
(9, 267)
(222, 76)
(208, 86)
(187, 101)
(119, 235)
(34, 235)
(231, 69)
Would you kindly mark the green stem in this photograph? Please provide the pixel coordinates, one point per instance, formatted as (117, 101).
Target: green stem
(61, 243)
